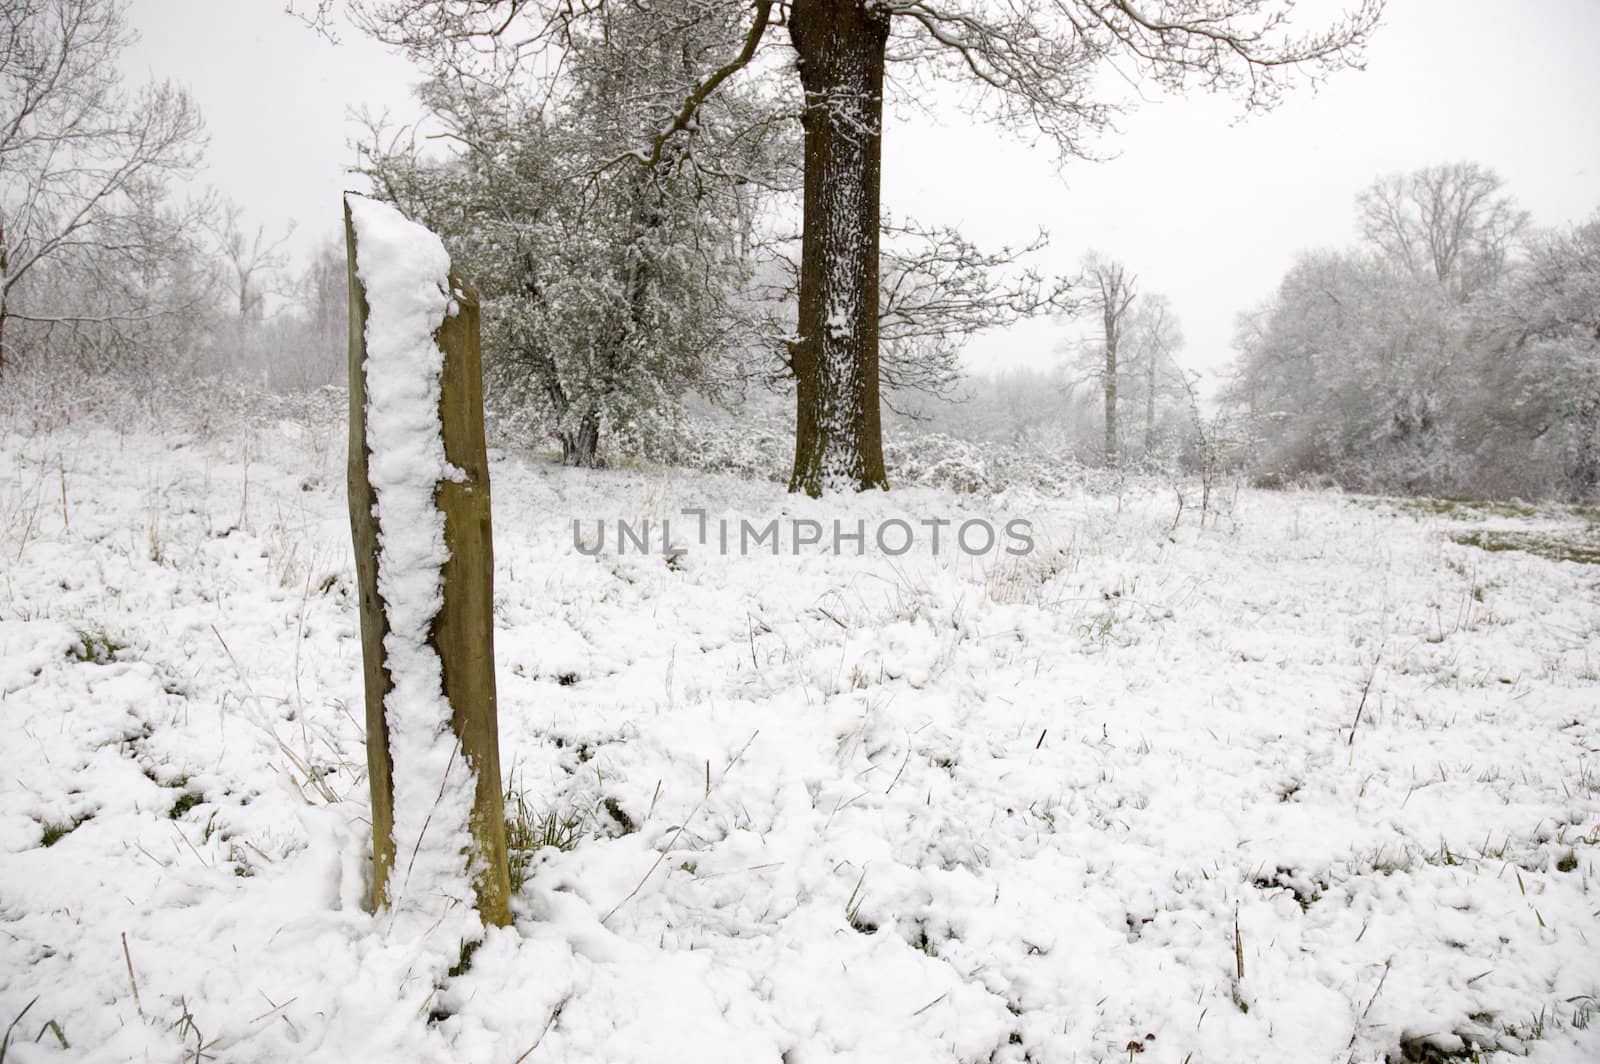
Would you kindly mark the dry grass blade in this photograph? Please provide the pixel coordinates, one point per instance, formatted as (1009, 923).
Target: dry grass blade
(681, 828)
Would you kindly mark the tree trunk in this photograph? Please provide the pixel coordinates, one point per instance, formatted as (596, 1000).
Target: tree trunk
(838, 428)
(581, 446)
(1150, 400)
(1112, 325)
(5, 287)
(1584, 474)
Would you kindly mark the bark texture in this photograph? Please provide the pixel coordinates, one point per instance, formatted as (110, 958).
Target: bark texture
(5, 273)
(581, 446)
(838, 429)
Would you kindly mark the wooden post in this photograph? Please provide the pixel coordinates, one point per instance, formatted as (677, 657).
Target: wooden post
(463, 630)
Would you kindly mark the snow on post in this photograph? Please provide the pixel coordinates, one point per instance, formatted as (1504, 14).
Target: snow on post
(419, 518)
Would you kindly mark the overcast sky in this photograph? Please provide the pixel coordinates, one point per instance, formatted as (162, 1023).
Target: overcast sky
(1205, 209)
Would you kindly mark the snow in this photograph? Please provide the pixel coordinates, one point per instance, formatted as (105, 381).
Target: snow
(405, 273)
(835, 808)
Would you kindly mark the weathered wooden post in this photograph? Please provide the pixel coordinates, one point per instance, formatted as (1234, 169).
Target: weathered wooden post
(427, 640)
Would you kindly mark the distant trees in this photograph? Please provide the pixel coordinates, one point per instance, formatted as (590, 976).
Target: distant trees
(251, 258)
(1112, 290)
(1029, 409)
(96, 261)
(105, 270)
(1541, 365)
(301, 343)
(1154, 337)
(1031, 63)
(1448, 227)
(321, 294)
(937, 290)
(1131, 360)
(1431, 358)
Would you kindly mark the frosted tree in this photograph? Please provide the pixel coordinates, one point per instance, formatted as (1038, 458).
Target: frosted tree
(1153, 339)
(1448, 233)
(1449, 225)
(1112, 290)
(608, 290)
(937, 289)
(1540, 367)
(252, 259)
(1370, 364)
(85, 165)
(1033, 64)
(1317, 368)
(1452, 352)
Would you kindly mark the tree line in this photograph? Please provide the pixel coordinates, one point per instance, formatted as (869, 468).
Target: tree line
(676, 196)
(107, 265)
(1455, 350)
(623, 178)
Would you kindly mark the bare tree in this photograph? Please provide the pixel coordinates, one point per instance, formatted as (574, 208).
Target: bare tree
(83, 162)
(1449, 224)
(938, 289)
(1153, 337)
(1208, 436)
(1033, 63)
(252, 259)
(1112, 291)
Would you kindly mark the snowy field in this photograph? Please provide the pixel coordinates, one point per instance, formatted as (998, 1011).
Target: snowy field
(1316, 782)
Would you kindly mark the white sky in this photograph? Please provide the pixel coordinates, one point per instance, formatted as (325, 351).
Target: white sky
(1209, 211)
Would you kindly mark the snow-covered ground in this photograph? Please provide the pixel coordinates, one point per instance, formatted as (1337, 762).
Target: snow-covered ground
(827, 808)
